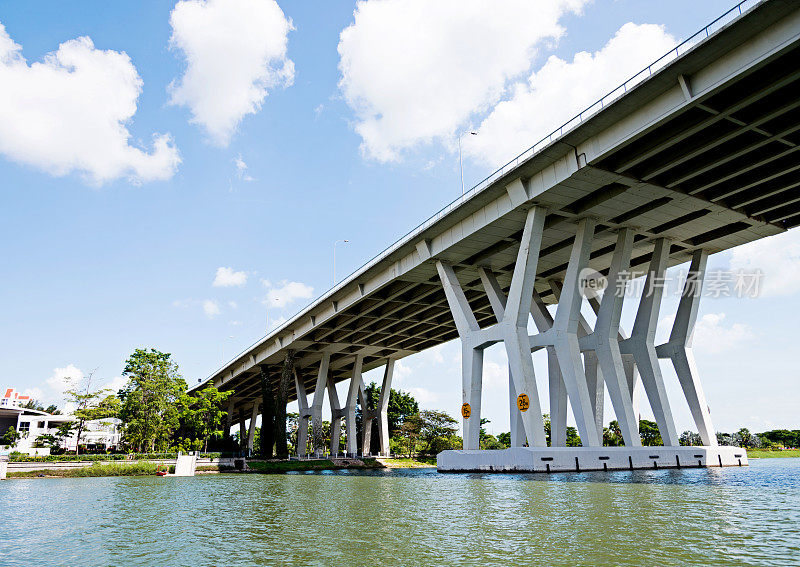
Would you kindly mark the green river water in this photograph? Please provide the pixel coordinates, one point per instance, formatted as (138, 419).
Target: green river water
(736, 516)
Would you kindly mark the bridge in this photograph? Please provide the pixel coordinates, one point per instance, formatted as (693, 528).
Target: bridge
(696, 154)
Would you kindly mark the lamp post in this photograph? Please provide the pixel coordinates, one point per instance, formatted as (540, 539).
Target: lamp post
(345, 241)
(223, 347)
(266, 303)
(460, 163)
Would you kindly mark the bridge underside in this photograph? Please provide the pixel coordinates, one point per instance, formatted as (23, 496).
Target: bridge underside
(700, 158)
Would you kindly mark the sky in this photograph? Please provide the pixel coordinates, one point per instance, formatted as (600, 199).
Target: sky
(176, 175)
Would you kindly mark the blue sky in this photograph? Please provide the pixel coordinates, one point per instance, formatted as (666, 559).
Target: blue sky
(276, 143)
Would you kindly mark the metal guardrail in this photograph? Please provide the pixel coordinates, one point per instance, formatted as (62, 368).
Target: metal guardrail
(683, 47)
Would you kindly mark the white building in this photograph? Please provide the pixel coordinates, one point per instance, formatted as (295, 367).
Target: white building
(31, 424)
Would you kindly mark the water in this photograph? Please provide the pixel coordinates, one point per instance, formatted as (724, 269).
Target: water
(747, 516)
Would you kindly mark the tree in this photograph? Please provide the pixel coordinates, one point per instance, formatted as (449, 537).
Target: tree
(411, 430)
(204, 412)
(648, 431)
(690, 439)
(505, 439)
(63, 431)
(11, 437)
(401, 405)
(573, 439)
(612, 435)
(438, 431)
(46, 440)
(89, 405)
(52, 409)
(149, 410)
(33, 404)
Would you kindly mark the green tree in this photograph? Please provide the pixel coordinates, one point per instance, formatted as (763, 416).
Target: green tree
(505, 439)
(411, 430)
(46, 440)
(89, 405)
(11, 437)
(573, 439)
(612, 435)
(63, 431)
(401, 405)
(205, 413)
(648, 431)
(150, 400)
(33, 404)
(52, 409)
(438, 431)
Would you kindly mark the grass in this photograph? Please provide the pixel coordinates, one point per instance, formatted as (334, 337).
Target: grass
(95, 470)
(320, 465)
(408, 463)
(772, 454)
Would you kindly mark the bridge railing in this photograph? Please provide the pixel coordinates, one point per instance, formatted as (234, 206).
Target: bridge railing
(683, 47)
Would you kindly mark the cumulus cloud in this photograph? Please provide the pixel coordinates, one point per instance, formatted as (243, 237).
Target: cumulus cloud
(415, 71)
(560, 89)
(778, 259)
(211, 308)
(228, 277)
(70, 111)
(62, 379)
(287, 292)
(712, 336)
(241, 169)
(235, 52)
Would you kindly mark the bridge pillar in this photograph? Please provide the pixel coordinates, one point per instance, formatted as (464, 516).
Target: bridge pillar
(336, 416)
(251, 432)
(355, 388)
(303, 415)
(605, 339)
(316, 404)
(679, 348)
(267, 414)
(242, 430)
(284, 385)
(383, 408)
(641, 343)
(558, 393)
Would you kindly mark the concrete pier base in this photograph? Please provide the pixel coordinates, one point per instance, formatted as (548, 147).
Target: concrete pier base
(577, 459)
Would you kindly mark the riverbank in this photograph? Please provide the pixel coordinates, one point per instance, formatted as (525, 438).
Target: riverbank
(772, 454)
(408, 462)
(94, 470)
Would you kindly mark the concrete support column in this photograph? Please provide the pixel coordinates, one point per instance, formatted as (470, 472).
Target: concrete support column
(336, 416)
(242, 430)
(383, 408)
(565, 337)
(471, 357)
(267, 414)
(316, 405)
(303, 415)
(282, 398)
(251, 432)
(679, 348)
(229, 418)
(356, 386)
(641, 343)
(605, 339)
(557, 390)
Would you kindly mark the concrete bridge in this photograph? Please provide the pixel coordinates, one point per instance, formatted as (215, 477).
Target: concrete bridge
(695, 155)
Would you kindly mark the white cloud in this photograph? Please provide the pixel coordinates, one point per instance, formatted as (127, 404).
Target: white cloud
(63, 379)
(228, 277)
(241, 170)
(235, 52)
(710, 335)
(560, 89)
(275, 323)
(424, 396)
(778, 258)
(233, 305)
(287, 293)
(115, 384)
(69, 113)
(211, 308)
(415, 71)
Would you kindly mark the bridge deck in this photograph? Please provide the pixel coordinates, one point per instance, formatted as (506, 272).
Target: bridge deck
(704, 152)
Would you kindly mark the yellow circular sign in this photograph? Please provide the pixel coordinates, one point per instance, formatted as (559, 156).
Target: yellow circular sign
(523, 402)
(466, 411)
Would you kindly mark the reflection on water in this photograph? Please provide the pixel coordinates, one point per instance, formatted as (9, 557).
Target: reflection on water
(747, 516)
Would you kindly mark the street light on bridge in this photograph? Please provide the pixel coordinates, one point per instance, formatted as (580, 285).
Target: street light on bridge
(460, 163)
(345, 241)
